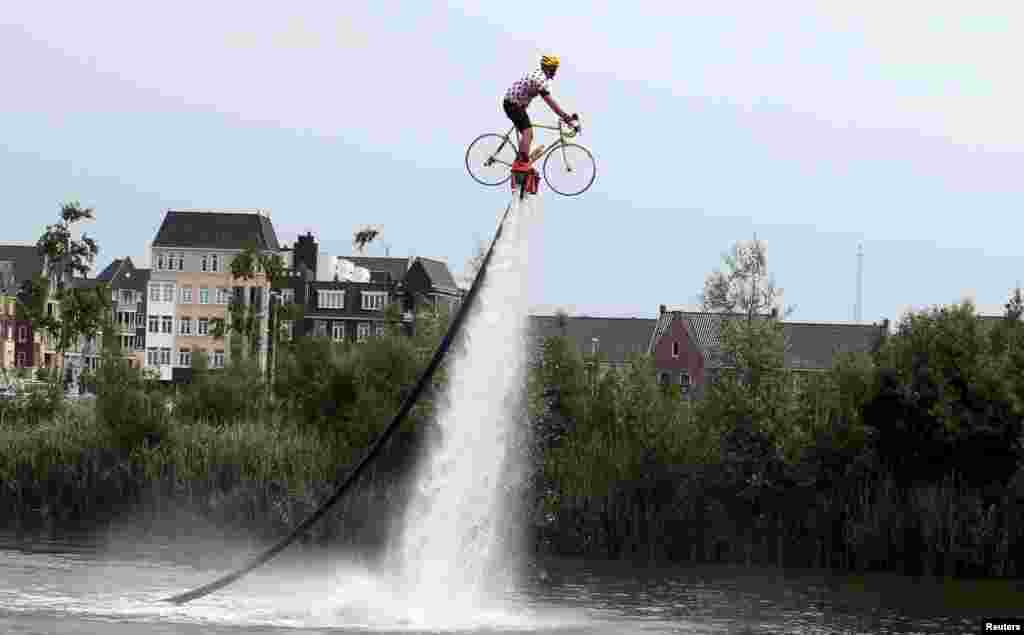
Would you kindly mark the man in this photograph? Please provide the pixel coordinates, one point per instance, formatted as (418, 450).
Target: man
(518, 98)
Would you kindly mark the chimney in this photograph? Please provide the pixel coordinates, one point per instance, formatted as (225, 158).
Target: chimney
(306, 251)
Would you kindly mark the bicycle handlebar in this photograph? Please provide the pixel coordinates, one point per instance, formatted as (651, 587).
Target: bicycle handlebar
(576, 129)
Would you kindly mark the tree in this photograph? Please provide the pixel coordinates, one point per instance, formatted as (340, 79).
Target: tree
(474, 263)
(755, 346)
(752, 387)
(745, 286)
(246, 265)
(81, 309)
(364, 236)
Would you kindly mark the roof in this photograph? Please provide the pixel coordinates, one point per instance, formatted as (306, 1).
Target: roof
(617, 337)
(395, 266)
(809, 345)
(440, 276)
(812, 345)
(25, 260)
(122, 274)
(216, 230)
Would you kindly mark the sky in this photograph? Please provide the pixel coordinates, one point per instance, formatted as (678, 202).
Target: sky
(814, 126)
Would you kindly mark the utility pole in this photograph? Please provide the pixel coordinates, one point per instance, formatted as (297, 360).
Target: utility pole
(859, 306)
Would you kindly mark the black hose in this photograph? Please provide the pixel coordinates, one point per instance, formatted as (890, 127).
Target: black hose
(400, 416)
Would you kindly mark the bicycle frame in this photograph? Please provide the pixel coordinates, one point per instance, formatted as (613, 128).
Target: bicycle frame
(563, 134)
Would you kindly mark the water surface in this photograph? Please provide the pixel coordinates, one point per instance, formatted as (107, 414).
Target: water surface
(77, 587)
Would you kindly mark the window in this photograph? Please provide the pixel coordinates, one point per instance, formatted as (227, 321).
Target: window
(338, 330)
(161, 262)
(213, 262)
(288, 328)
(331, 299)
(675, 349)
(185, 325)
(204, 326)
(181, 262)
(223, 295)
(204, 295)
(374, 300)
(154, 324)
(379, 329)
(218, 359)
(684, 380)
(287, 296)
(126, 296)
(321, 328)
(186, 295)
(151, 357)
(154, 292)
(168, 292)
(184, 357)
(20, 360)
(363, 331)
(663, 379)
(165, 356)
(203, 266)
(22, 334)
(166, 324)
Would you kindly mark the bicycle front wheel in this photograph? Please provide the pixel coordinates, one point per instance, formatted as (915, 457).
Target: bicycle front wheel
(569, 169)
(489, 159)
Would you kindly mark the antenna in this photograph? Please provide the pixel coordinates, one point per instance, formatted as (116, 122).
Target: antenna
(860, 284)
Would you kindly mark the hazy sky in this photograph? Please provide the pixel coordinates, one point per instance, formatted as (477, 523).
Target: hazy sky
(815, 126)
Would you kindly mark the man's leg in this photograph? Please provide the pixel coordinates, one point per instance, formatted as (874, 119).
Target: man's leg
(525, 141)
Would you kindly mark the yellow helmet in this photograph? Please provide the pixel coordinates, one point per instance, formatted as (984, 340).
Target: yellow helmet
(549, 60)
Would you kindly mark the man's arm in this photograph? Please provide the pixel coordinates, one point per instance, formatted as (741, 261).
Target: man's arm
(554, 106)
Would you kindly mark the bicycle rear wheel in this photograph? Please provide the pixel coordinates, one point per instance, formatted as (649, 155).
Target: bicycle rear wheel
(569, 169)
(489, 158)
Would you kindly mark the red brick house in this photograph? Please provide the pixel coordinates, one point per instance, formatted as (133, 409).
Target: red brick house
(19, 346)
(687, 352)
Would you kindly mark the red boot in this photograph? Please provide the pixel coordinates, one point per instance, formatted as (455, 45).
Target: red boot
(520, 165)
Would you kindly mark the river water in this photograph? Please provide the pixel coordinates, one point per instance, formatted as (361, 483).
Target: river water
(62, 586)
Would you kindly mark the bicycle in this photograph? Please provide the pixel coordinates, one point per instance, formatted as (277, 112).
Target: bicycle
(492, 154)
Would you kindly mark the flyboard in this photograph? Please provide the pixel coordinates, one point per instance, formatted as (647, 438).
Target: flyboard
(525, 186)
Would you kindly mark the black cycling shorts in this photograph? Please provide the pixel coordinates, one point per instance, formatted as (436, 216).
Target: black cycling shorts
(517, 114)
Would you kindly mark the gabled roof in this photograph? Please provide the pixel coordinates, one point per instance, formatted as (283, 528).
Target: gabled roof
(216, 230)
(111, 270)
(25, 261)
(395, 266)
(122, 274)
(703, 327)
(439, 274)
(809, 345)
(618, 338)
